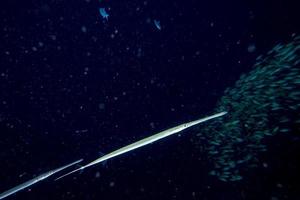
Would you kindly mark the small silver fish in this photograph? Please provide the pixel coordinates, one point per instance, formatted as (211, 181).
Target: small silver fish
(157, 24)
(103, 13)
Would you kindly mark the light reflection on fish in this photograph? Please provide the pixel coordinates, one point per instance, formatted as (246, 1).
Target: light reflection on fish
(157, 24)
(103, 13)
(146, 141)
(36, 180)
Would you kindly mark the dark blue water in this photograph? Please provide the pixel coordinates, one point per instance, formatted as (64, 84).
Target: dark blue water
(73, 84)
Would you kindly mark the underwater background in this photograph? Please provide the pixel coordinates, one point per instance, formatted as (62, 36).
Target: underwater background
(82, 78)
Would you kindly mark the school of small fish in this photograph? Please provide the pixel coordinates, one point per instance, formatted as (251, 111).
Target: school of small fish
(263, 103)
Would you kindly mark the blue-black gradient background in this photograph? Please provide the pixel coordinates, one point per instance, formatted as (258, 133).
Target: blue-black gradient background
(73, 85)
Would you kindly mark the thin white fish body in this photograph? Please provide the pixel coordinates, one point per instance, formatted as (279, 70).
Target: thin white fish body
(193, 123)
(146, 141)
(20, 187)
(64, 167)
(130, 147)
(35, 180)
(138, 144)
(153, 138)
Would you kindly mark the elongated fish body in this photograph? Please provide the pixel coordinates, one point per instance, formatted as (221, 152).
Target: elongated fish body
(146, 141)
(21, 187)
(35, 180)
(64, 167)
